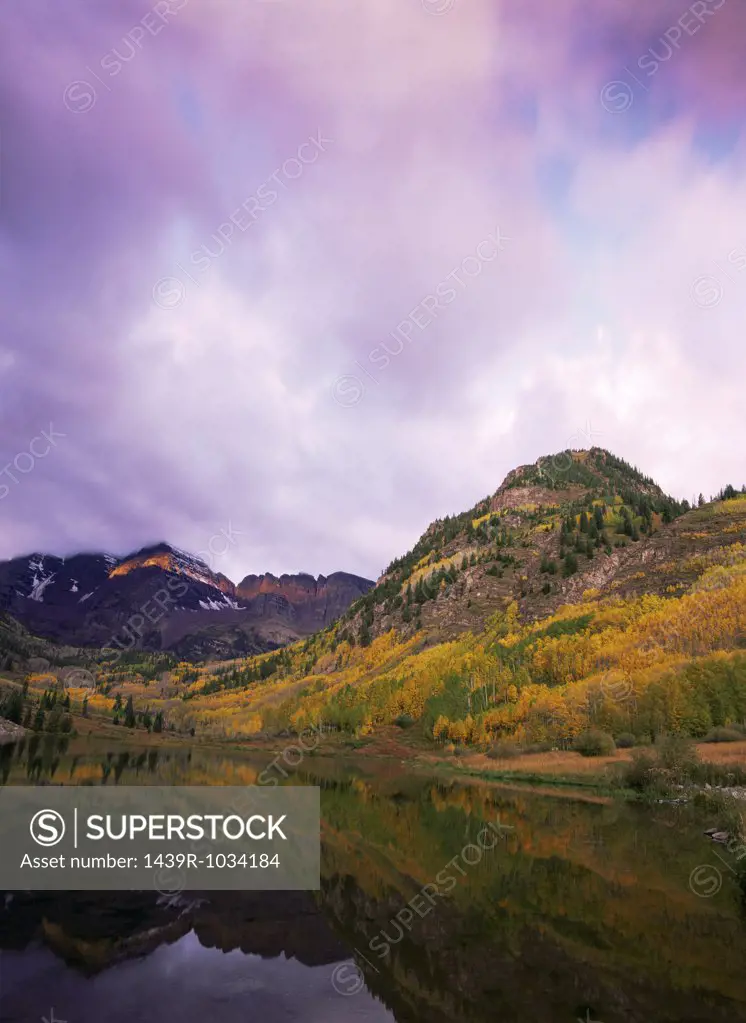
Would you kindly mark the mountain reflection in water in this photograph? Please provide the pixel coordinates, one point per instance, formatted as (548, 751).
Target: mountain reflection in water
(583, 910)
(138, 956)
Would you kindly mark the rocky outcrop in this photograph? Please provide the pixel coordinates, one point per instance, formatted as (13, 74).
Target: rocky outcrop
(520, 497)
(300, 588)
(316, 602)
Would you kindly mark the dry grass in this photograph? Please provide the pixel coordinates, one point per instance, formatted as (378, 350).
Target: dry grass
(570, 763)
(559, 762)
(723, 752)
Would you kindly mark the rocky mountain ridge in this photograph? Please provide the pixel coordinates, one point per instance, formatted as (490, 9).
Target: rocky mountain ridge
(161, 597)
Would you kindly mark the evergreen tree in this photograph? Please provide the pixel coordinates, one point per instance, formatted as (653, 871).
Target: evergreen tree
(13, 709)
(129, 714)
(570, 565)
(54, 721)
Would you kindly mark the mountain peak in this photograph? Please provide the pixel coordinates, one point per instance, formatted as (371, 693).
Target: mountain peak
(567, 513)
(587, 468)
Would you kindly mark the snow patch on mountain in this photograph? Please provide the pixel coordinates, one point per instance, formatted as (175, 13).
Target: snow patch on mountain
(224, 604)
(40, 581)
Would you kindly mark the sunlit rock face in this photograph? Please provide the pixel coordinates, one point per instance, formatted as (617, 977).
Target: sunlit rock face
(314, 601)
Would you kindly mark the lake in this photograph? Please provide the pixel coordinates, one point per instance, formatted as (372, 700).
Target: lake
(442, 899)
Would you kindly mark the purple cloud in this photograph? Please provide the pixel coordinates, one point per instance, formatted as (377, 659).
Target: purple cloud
(187, 275)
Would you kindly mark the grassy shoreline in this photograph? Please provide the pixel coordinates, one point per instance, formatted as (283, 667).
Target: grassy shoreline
(558, 768)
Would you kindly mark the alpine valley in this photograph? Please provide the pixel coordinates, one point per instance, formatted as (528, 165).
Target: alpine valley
(578, 600)
(578, 595)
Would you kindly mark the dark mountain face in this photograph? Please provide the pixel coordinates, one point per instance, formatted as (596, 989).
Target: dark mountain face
(316, 602)
(164, 598)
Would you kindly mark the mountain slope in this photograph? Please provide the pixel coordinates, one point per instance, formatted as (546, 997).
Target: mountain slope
(550, 530)
(594, 600)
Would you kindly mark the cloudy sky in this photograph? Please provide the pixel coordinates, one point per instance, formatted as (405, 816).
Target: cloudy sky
(320, 271)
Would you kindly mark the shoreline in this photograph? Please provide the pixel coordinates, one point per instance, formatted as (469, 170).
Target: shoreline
(556, 768)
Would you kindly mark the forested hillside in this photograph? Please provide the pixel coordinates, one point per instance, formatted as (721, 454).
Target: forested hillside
(615, 607)
(579, 595)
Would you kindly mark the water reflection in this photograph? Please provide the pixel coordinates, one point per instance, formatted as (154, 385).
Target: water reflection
(580, 908)
(137, 956)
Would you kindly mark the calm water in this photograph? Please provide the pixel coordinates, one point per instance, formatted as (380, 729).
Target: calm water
(582, 909)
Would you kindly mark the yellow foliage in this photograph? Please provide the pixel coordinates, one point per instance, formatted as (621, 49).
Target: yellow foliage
(587, 663)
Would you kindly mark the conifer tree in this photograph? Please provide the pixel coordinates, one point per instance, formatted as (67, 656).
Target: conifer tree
(129, 714)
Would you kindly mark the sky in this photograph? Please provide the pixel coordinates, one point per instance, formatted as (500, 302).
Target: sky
(310, 274)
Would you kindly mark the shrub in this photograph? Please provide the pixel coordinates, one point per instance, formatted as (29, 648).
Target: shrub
(404, 721)
(640, 773)
(449, 748)
(537, 747)
(594, 743)
(503, 751)
(625, 741)
(723, 735)
(676, 753)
